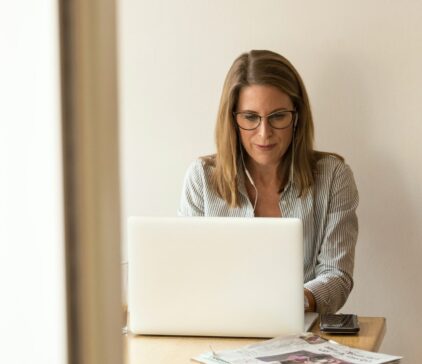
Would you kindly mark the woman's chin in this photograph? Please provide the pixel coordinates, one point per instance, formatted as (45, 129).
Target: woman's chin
(265, 161)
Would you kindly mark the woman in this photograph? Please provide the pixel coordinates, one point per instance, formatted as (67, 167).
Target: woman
(265, 166)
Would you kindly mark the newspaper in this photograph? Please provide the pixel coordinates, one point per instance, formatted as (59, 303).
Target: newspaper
(303, 348)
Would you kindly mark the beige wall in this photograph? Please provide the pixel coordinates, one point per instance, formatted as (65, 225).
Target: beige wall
(360, 61)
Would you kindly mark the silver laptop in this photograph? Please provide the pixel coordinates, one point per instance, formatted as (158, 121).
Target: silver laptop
(240, 277)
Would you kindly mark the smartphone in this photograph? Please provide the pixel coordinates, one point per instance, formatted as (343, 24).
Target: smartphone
(339, 324)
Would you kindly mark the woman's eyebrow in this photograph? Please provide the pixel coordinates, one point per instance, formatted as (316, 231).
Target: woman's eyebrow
(279, 109)
(275, 110)
(248, 110)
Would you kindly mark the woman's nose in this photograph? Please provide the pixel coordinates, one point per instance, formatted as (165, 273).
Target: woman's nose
(264, 128)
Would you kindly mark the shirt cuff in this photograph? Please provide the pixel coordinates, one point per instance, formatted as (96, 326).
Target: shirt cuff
(322, 295)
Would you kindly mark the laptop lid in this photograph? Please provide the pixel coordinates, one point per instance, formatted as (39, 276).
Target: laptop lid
(240, 277)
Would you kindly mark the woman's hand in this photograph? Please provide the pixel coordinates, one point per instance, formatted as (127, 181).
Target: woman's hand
(310, 305)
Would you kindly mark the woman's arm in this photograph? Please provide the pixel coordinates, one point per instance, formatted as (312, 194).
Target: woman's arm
(335, 261)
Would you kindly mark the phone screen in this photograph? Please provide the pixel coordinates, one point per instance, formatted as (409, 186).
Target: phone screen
(339, 323)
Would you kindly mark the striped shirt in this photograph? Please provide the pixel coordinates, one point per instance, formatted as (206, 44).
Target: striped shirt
(328, 214)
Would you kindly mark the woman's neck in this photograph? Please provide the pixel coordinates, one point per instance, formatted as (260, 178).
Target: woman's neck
(265, 176)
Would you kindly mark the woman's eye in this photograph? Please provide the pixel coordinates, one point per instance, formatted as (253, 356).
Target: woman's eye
(279, 116)
(251, 117)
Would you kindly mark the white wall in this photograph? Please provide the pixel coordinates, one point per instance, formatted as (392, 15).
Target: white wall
(361, 61)
(32, 303)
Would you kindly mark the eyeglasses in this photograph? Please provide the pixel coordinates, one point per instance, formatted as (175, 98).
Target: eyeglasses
(278, 120)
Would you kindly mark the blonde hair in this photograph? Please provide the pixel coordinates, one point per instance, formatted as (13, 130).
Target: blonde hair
(262, 67)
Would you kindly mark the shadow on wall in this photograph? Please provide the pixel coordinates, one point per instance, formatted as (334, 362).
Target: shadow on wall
(386, 277)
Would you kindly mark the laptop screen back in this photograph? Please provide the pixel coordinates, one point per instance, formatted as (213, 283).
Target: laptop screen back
(240, 277)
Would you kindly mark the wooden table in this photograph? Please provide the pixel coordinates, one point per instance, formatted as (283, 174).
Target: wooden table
(179, 350)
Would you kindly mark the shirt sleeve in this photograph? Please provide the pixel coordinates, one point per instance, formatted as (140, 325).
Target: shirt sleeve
(192, 198)
(335, 261)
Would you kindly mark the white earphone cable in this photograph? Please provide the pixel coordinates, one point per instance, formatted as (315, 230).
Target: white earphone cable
(249, 178)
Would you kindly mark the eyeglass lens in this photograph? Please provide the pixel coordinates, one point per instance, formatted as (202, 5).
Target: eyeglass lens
(278, 120)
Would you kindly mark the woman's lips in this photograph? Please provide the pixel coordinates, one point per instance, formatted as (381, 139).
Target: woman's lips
(265, 147)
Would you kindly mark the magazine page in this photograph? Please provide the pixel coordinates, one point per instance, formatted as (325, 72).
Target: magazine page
(304, 348)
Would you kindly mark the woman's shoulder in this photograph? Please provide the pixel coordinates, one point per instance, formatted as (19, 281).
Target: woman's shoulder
(330, 164)
(332, 173)
(334, 177)
(201, 167)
